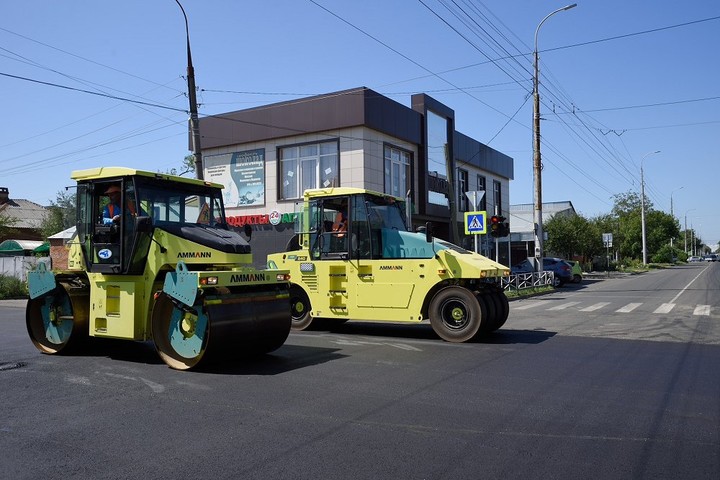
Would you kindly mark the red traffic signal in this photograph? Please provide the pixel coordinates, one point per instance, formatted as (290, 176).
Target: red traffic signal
(496, 225)
(499, 226)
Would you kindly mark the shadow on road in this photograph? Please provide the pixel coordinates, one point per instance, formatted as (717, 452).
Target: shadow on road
(424, 331)
(284, 359)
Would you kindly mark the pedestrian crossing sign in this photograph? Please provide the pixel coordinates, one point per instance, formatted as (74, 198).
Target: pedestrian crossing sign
(475, 223)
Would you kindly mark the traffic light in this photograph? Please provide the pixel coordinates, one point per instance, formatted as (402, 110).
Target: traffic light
(499, 227)
(496, 226)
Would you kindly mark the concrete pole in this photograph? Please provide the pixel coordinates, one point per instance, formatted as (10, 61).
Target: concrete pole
(192, 98)
(537, 160)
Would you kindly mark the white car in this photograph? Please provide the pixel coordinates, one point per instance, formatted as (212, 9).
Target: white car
(694, 258)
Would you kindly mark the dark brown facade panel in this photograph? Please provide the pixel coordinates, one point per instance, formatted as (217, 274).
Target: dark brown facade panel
(475, 153)
(346, 109)
(316, 114)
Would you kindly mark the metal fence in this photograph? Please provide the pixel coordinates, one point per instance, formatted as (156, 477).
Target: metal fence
(19, 266)
(521, 281)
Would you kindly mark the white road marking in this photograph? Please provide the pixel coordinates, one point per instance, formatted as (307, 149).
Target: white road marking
(597, 306)
(628, 308)
(564, 306)
(665, 308)
(528, 305)
(702, 310)
(686, 286)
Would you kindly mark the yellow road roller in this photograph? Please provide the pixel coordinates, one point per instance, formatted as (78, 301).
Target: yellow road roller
(153, 258)
(353, 258)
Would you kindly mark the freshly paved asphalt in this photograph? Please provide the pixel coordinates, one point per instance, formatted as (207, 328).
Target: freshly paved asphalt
(545, 397)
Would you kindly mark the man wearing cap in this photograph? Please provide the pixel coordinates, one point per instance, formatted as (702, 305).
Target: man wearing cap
(112, 211)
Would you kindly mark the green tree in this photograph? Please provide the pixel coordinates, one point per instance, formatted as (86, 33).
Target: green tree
(6, 224)
(188, 166)
(629, 203)
(572, 235)
(61, 214)
(660, 228)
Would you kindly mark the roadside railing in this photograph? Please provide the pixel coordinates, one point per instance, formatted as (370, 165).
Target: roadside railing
(522, 281)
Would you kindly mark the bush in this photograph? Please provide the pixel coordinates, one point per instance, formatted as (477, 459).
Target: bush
(11, 287)
(667, 254)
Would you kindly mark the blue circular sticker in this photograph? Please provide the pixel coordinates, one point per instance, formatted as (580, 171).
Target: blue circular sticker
(105, 253)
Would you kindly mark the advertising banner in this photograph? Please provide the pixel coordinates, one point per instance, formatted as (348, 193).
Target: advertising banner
(242, 174)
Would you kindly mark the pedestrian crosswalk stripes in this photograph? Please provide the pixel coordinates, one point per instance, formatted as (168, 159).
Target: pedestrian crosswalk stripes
(662, 309)
(594, 307)
(628, 308)
(564, 306)
(665, 308)
(528, 305)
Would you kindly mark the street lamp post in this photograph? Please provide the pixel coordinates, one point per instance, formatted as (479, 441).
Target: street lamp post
(537, 163)
(642, 206)
(192, 98)
(686, 250)
(671, 201)
(672, 214)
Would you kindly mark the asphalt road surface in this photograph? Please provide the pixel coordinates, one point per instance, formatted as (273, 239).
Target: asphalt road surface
(615, 378)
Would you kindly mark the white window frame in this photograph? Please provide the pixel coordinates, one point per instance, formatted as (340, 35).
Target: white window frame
(397, 164)
(309, 169)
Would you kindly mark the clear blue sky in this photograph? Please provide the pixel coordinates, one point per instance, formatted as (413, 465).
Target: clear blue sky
(619, 79)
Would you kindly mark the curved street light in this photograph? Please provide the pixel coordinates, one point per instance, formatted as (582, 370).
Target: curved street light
(192, 98)
(671, 201)
(672, 213)
(642, 205)
(537, 163)
(692, 209)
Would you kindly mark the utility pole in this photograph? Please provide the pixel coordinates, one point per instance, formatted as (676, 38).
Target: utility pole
(192, 98)
(537, 162)
(686, 245)
(642, 206)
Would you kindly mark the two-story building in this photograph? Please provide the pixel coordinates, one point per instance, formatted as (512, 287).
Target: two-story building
(267, 156)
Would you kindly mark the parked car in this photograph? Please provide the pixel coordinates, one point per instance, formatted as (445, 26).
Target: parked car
(576, 271)
(561, 268)
(694, 258)
(710, 257)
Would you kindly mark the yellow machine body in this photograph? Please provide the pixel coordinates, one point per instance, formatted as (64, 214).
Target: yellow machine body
(374, 269)
(169, 270)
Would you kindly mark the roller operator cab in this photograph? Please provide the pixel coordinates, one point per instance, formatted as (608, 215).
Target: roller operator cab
(353, 258)
(152, 258)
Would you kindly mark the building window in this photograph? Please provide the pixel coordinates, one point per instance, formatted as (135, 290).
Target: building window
(497, 197)
(463, 200)
(397, 171)
(481, 188)
(437, 143)
(306, 166)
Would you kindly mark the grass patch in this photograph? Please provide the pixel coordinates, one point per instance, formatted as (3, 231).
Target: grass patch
(11, 287)
(528, 292)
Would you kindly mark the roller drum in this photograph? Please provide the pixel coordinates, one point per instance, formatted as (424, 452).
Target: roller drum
(220, 327)
(57, 321)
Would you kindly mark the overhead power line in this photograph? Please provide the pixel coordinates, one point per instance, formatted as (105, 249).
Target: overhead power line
(130, 100)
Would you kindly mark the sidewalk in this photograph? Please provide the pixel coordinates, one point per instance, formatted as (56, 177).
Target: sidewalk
(16, 303)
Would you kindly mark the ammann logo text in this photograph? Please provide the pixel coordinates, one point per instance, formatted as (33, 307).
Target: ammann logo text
(390, 267)
(194, 255)
(248, 277)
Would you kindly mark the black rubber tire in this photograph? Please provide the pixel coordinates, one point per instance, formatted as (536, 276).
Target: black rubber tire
(300, 308)
(491, 306)
(455, 314)
(503, 310)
